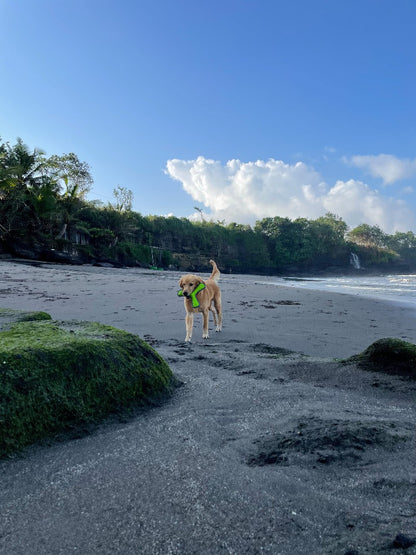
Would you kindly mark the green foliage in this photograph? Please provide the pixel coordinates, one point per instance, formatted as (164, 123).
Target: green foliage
(72, 175)
(302, 242)
(368, 235)
(132, 254)
(31, 205)
(42, 207)
(56, 375)
(102, 238)
(404, 245)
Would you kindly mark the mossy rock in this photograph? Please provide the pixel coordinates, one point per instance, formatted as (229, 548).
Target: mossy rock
(8, 317)
(55, 376)
(389, 355)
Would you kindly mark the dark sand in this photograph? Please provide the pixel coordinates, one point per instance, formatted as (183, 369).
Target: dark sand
(261, 450)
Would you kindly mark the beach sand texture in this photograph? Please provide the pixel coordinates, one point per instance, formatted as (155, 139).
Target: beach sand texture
(269, 446)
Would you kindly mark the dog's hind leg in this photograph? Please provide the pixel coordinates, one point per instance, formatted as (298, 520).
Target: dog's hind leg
(214, 313)
(217, 304)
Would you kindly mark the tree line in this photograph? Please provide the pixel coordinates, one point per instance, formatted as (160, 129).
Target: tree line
(44, 214)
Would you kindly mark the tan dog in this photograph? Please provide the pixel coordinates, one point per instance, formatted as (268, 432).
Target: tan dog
(199, 295)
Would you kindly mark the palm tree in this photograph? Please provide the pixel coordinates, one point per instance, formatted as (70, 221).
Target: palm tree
(27, 194)
(70, 204)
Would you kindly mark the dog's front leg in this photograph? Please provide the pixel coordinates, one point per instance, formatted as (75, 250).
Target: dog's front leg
(189, 321)
(205, 316)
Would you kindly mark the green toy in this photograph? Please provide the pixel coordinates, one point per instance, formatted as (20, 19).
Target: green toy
(195, 302)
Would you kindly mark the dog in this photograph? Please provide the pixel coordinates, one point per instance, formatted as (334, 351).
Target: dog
(199, 296)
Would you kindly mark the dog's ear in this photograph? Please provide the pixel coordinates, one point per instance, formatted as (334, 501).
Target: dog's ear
(180, 283)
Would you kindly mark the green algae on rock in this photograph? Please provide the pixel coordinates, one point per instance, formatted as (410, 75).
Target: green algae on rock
(9, 316)
(389, 355)
(57, 375)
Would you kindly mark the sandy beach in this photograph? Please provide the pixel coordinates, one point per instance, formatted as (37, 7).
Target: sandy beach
(269, 446)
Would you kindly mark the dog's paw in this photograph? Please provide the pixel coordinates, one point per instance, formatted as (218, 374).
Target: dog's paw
(218, 328)
(187, 339)
(205, 336)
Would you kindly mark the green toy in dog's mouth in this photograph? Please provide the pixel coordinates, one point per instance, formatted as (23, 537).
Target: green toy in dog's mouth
(195, 302)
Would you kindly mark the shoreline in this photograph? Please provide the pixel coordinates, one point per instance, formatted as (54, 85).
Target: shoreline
(350, 285)
(347, 271)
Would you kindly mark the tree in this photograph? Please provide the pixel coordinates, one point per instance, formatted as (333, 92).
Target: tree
(368, 236)
(201, 213)
(281, 239)
(335, 223)
(401, 241)
(27, 194)
(72, 175)
(124, 199)
(404, 244)
(69, 208)
(328, 236)
(272, 227)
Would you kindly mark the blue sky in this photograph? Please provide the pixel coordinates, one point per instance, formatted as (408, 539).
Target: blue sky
(244, 108)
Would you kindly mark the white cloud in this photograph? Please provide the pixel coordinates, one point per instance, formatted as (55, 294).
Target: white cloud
(386, 166)
(246, 192)
(357, 203)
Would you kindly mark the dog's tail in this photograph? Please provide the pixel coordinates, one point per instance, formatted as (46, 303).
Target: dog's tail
(215, 272)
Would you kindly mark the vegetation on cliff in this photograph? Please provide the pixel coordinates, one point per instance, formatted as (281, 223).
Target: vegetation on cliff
(44, 214)
(55, 376)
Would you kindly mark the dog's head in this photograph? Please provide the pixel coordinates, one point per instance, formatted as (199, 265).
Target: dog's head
(189, 283)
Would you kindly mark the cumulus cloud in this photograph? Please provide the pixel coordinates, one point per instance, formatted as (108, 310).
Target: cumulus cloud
(244, 192)
(357, 203)
(386, 166)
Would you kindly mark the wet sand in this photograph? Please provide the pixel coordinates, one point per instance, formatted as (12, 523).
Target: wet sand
(145, 302)
(270, 445)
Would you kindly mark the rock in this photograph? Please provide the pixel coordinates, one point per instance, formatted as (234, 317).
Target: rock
(53, 255)
(58, 375)
(23, 251)
(8, 317)
(104, 264)
(389, 355)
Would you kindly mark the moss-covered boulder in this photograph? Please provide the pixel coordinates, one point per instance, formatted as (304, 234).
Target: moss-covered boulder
(389, 355)
(8, 317)
(57, 375)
